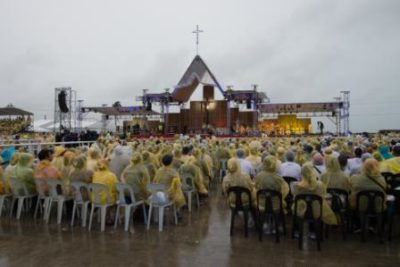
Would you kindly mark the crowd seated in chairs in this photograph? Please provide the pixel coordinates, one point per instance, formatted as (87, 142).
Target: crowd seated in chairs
(140, 178)
(12, 126)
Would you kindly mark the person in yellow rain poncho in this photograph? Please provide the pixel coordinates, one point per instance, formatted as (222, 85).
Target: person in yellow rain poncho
(334, 177)
(167, 176)
(24, 172)
(137, 176)
(269, 178)
(93, 158)
(236, 178)
(190, 168)
(66, 171)
(310, 185)
(370, 178)
(103, 175)
(254, 158)
(58, 157)
(149, 164)
(393, 164)
(8, 170)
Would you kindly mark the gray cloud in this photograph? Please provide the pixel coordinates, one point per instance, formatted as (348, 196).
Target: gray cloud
(295, 51)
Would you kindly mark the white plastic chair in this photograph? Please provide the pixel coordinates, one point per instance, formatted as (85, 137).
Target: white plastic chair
(55, 196)
(80, 201)
(189, 188)
(42, 197)
(5, 195)
(96, 202)
(126, 190)
(156, 201)
(20, 193)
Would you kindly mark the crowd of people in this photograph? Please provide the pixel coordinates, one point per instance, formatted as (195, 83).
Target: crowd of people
(317, 163)
(11, 126)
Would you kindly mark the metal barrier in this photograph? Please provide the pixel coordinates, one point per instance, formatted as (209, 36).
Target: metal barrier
(34, 148)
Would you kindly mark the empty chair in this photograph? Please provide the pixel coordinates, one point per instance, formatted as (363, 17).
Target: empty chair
(97, 190)
(272, 207)
(20, 193)
(238, 191)
(5, 195)
(56, 195)
(188, 188)
(43, 197)
(312, 214)
(370, 204)
(159, 199)
(80, 191)
(123, 191)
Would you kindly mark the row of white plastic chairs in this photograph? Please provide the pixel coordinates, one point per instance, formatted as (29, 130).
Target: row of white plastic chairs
(84, 194)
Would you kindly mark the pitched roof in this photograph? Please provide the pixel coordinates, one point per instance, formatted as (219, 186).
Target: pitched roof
(197, 73)
(13, 111)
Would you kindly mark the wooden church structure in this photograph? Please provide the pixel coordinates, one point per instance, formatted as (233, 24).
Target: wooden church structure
(217, 111)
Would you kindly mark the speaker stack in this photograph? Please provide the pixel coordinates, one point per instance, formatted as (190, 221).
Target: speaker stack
(62, 103)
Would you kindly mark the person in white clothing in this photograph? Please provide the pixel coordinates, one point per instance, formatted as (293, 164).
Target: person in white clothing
(354, 164)
(290, 168)
(245, 165)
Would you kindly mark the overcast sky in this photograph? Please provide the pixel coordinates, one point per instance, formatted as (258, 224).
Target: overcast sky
(294, 50)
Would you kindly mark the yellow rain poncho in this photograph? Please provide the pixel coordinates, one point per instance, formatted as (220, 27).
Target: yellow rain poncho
(170, 178)
(310, 185)
(137, 176)
(104, 176)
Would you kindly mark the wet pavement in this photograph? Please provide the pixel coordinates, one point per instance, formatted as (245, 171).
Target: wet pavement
(200, 239)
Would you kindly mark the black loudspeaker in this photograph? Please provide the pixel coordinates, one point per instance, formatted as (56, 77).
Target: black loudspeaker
(248, 104)
(149, 107)
(107, 117)
(62, 102)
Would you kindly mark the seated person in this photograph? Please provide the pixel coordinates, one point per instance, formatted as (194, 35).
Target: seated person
(310, 185)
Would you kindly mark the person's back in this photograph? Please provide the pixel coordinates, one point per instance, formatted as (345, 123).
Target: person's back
(354, 164)
(24, 172)
(137, 176)
(393, 164)
(245, 165)
(80, 173)
(104, 176)
(167, 176)
(237, 178)
(310, 185)
(45, 169)
(189, 168)
(334, 176)
(369, 179)
(120, 159)
(269, 179)
(290, 168)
